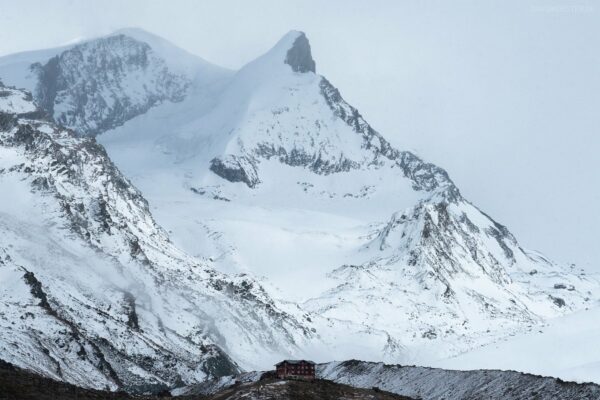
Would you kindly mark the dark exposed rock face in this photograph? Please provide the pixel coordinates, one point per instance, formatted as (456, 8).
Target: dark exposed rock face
(99, 85)
(50, 82)
(266, 386)
(71, 335)
(36, 290)
(559, 302)
(218, 363)
(18, 384)
(299, 56)
(132, 317)
(298, 158)
(273, 389)
(236, 169)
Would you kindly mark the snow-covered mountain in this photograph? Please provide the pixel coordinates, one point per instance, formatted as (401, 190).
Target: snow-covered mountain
(100, 84)
(292, 184)
(93, 291)
(351, 247)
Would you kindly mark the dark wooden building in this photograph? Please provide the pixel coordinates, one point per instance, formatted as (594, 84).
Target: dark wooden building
(299, 369)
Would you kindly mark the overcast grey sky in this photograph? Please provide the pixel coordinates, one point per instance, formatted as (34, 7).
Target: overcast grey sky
(502, 94)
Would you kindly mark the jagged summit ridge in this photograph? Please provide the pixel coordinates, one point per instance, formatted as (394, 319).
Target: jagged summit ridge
(299, 56)
(315, 128)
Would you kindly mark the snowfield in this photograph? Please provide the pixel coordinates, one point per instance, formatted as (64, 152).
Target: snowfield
(562, 347)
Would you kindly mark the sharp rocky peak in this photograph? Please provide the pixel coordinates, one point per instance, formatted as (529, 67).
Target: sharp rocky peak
(299, 56)
(293, 49)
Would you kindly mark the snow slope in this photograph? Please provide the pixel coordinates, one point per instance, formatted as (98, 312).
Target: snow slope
(564, 347)
(12, 100)
(93, 292)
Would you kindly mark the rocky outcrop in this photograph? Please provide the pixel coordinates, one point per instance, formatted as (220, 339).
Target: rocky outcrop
(236, 169)
(299, 158)
(18, 384)
(299, 56)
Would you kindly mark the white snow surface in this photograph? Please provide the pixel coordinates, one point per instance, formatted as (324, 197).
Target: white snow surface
(564, 347)
(12, 100)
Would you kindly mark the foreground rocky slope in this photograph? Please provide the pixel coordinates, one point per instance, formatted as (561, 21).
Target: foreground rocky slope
(425, 383)
(272, 389)
(17, 384)
(432, 383)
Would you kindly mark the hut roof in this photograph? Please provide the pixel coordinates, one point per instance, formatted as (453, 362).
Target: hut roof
(295, 362)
